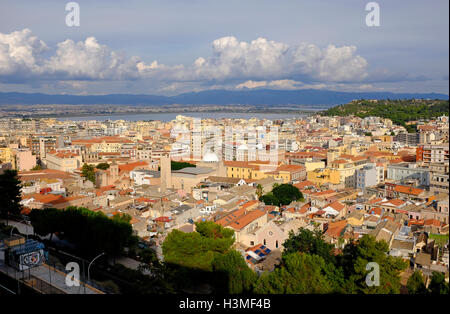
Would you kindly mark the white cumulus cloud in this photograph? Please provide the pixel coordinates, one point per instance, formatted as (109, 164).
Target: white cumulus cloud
(253, 64)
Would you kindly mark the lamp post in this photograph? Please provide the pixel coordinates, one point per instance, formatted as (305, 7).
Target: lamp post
(26, 230)
(89, 278)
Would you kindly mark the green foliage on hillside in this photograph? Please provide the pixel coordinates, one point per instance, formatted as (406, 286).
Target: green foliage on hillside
(399, 111)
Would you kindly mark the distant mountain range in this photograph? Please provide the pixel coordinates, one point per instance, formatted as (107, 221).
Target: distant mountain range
(260, 97)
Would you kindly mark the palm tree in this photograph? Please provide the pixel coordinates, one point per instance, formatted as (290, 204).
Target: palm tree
(259, 191)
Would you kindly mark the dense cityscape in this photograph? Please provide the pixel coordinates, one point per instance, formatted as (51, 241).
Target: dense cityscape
(269, 188)
(210, 156)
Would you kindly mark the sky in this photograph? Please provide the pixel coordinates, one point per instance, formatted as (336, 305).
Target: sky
(168, 47)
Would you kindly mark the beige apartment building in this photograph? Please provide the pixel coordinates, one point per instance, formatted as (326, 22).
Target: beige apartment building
(63, 161)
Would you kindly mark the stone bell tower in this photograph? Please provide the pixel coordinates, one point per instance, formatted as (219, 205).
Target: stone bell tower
(166, 173)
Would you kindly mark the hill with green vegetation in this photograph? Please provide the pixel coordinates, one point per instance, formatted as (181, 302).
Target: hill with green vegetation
(399, 111)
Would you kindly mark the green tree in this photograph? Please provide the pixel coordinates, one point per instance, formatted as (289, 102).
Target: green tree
(232, 273)
(259, 190)
(88, 171)
(357, 255)
(438, 284)
(416, 284)
(37, 167)
(287, 193)
(270, 199)
(10, 195)
(195, 250)
(91, 232)
(177, 165)
(311, 242)
(102, 166)
(212, 230)
(46, 221)
(299, 273)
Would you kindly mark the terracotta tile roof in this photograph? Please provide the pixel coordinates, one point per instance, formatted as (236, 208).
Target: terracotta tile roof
(249, 203)
(303, 184)
(394, 202)
(335, 228)
(416, 222)
(106, 139)
(340, 161)
(336, 205)
(374, 201)
(375, 211)
(63, 154)
(143, 199)
(408, 190)
(324, 193)
(132, 166)
(432, 222)
(304, 208)
(290, 168)
(244, 220)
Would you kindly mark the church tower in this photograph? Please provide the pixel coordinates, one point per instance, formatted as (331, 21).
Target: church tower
(166, 173)
(114, 171)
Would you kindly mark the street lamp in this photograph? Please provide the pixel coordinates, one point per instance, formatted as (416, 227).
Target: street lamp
(92, 262)
(26, 230)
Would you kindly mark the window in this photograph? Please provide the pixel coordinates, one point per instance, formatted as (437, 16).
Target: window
(252, 243)
(264, 241)
(276, 243)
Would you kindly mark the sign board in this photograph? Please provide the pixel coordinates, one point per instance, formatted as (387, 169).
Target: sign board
(32, 259)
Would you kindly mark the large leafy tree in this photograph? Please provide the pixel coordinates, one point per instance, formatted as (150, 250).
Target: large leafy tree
(177, 165)
(270, 199)
(91, 232)
(287, 193)
(299, 274)
(259, 190)
(310, 242)
(416, 284)
(282, 194)
(88, 171)
(356, 257)
(10, 195)
(196, 249)
(206, 256)
(233, 273)
(102, 166)
(212, 230)
(46, 221)
(438, 284)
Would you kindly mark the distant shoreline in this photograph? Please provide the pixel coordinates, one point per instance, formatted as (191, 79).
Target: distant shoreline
(180, 112)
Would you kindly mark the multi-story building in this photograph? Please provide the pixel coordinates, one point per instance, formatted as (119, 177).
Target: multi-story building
(408, 138)
(346, 166)
(409, 172)
(369, 175)
(41, 144)
(63, 161)
(24, 159)
(432, 153)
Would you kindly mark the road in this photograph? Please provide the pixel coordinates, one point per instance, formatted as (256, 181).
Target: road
(21, 226)
(48, 280)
